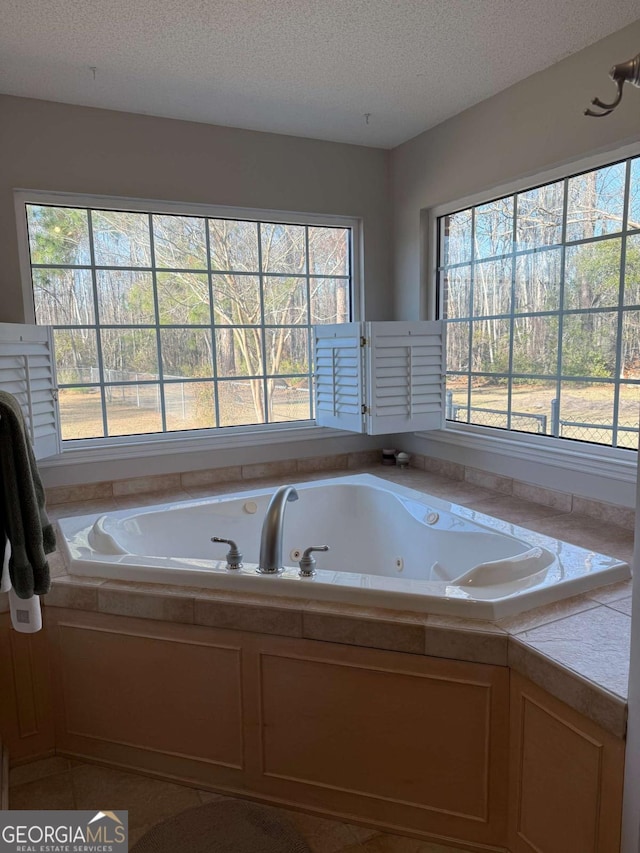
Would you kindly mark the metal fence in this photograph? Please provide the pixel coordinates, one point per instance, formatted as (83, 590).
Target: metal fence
(188, 399)
(495, 417)
(598, 433)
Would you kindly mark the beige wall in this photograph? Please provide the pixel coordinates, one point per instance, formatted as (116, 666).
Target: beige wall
(532, 126)
(50, 146)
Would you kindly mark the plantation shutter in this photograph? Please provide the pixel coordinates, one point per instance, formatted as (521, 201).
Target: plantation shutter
(27, 370)
(339, 376)
(380, 378)
(405, 381)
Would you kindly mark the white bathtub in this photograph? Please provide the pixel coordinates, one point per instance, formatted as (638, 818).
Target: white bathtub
(389, 546)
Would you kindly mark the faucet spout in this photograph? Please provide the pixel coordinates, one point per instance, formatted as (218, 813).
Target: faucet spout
(272, 527)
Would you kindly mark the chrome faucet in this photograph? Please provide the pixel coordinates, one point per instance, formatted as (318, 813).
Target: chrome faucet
(271, 539)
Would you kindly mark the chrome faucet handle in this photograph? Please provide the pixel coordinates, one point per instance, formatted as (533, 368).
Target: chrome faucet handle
(307, 563)
(234, 557)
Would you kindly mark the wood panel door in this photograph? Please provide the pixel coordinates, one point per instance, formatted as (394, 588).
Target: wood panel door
(404, 740)
(566, 777)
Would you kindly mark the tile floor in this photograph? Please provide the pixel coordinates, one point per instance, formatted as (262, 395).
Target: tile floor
(59, 783)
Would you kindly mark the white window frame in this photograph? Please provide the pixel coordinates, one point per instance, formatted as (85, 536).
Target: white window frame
(153, 444)
(615, 463)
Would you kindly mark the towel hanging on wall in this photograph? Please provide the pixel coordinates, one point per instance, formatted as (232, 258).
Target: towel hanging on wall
(23, 519)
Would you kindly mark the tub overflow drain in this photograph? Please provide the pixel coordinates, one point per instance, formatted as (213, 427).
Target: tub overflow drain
(399, 564)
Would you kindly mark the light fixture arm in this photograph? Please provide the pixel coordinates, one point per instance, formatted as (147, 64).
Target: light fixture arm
(625, 72)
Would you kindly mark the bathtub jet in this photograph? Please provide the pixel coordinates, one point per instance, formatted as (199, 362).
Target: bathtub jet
(390, 547)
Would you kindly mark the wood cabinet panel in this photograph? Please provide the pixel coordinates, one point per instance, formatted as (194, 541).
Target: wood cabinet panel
(566, 774)
(415, 741)
(128, 683)
(396, 740)
(26, 709)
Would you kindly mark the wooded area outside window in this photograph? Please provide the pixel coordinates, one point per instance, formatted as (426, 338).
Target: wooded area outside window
(166, 322)
(540, 291)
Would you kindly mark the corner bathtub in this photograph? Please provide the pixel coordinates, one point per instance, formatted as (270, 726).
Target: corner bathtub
(390, 546)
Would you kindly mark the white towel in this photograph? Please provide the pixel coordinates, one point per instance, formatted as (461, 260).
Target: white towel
(26, 615)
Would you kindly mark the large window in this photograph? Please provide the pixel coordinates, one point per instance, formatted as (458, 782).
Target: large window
(166, 322)
(541, 294)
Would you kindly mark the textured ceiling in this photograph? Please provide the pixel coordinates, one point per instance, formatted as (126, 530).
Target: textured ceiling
(305, 67)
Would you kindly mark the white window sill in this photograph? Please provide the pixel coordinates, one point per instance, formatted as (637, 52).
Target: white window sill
(614, 463)
(141, 446)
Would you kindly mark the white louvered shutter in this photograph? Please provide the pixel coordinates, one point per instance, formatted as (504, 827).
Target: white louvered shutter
(394, 383)
(339, 376)
(405, 376)
(27, 370)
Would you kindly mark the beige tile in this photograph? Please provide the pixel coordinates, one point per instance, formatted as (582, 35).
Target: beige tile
(259, 470)
(612, 592)
(513, 510)
(52, 792)
(359, 611)
(210, 476)
(57, 565)
(74, 494)
(595, 644)
(581, 530)
(67, 510)
(455, 491)
(460, 623)
(412, 478)
(477, 646)
(322, 463)
(417, 460)
(245, 599)
(34, 770)
(609, 513)
(487, 480)
(452, 470)
(162, 496)
(147, 800)
(621, 604)
(363, 458)
(548, 613)
(141, 485)
(376, 634)
(73, 592)
(261, 620)
(548, 497)
(143, 605)
(210, 490)
(604, 708)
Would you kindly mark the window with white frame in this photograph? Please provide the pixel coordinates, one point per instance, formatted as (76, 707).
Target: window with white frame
(540, 291)
(166, 321)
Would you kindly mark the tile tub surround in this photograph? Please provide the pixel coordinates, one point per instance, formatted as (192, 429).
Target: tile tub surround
(58, 783)
(201, 481)
(608, 513)
(594, 684)
(207, 478)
